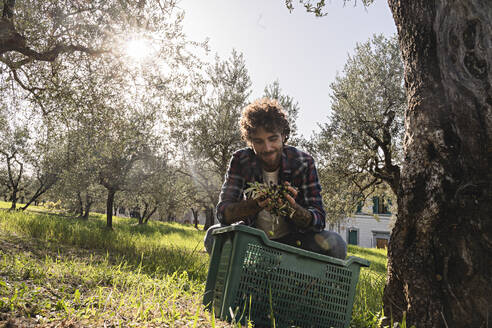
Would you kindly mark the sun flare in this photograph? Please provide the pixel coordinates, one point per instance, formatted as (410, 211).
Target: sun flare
(137, 49)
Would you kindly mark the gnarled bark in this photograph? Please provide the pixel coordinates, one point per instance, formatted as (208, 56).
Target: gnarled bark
(440, 252)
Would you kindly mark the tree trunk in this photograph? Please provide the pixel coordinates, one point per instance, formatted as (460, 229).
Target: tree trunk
(149, 215)
(141, 217)
(439, 256)
(85, 216)
(87, 207)
(195, 217)
(109, 208)
(42, 189)
(14, 198)
(80, 207)
(209, 218)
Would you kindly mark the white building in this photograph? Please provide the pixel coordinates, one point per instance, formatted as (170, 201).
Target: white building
(369, 227)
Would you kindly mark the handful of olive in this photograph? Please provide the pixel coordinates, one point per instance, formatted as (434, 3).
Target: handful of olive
(279, 205)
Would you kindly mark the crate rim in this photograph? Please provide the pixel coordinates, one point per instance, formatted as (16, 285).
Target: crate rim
(260, 233)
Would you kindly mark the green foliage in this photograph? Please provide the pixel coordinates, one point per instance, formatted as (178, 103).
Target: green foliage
(273, 91)
(61, 34)
(317, 7)
(206, 130)
(214, 133)
(360, 149)
(155, 186)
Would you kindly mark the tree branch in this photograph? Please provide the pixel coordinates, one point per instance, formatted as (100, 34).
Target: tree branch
(13, 68)
(11, 40)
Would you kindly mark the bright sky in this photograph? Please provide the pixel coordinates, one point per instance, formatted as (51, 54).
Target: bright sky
(300, 50)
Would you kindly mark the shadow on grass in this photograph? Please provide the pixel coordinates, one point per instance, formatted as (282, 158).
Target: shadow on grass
(152, 228)
(140, 247)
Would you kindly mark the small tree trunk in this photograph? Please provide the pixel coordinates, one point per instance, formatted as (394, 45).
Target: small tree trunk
(14, 198)
(195, 217)
(109, 208)
(87, 207)
(209, 218)
(86, 211)
(141, 216)
(149, 215)
(41, 190)
(80, 208)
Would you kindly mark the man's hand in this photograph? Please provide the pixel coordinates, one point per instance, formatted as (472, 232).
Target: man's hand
(301, 216)
(291, 195)
(238, 211)
(263, 201)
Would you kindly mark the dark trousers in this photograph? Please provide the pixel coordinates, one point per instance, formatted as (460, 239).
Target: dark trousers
(324, 242)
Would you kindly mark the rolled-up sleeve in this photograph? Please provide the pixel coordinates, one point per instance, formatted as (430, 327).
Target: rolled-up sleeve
(232, 188)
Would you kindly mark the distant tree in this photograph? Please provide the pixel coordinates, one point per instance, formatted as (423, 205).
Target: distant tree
(125, 141)
(273, 91)
(214, 133)
(78, 187)
(440, 243)
(155, 186)
(12, 149)
(143, 181)
(33, 155)
(15, 139)
(47, 160)
(177, 194)
(359, 149)
(211, 127)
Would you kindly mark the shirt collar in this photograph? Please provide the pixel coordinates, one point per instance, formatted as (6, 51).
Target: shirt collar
(284, 172)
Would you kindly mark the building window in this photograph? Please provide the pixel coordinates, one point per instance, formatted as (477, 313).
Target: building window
(353, 236)
(380, 239)
(359, 207)
(381, 243)
(380, 205)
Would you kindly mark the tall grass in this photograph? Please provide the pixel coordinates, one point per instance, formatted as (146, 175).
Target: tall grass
(155, 248)
(133, 263)
(367, 310)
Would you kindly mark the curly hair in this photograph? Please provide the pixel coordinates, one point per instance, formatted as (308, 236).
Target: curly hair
(267, 114)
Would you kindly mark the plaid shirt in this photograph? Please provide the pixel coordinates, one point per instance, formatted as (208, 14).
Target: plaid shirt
(297, 168)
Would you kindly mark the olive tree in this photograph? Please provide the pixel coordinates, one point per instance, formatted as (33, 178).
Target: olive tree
(274, 91)
(208, 133)
(359, 149)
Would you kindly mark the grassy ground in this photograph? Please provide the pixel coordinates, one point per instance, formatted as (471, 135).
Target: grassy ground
(56, 270)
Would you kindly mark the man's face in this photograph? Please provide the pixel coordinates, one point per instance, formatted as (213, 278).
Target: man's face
(268, 147)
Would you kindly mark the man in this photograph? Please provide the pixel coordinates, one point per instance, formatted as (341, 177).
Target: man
(268, 159)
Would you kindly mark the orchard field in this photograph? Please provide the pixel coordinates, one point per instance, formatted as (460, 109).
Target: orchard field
(59, 271)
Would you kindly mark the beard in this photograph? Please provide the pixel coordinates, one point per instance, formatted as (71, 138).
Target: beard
(271, 160)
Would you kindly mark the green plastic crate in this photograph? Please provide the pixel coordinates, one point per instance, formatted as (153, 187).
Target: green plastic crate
(303, 289)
